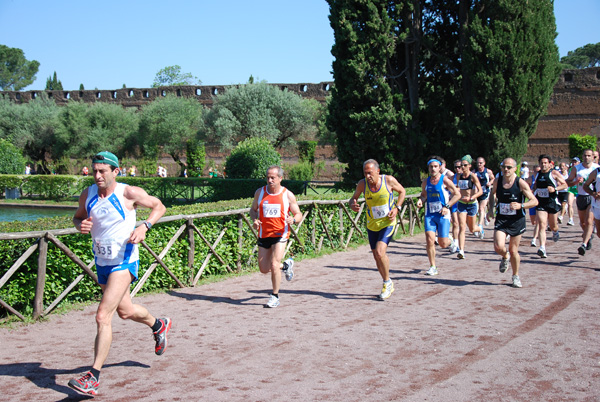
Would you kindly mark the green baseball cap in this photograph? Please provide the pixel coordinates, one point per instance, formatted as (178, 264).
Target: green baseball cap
(106, 157)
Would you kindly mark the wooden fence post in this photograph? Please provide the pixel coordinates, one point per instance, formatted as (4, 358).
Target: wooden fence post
(240, 243)
(192, 245)
(38, 303)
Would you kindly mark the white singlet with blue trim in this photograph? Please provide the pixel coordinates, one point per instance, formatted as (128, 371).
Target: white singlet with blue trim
(112, 227)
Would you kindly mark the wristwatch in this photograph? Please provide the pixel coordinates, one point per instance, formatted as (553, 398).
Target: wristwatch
(148, 224)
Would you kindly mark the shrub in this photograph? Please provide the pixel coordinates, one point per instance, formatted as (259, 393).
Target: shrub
(301, 171)
(579, 143)
(11, 160)
(306, 151)
(196, 158)
(251, 158)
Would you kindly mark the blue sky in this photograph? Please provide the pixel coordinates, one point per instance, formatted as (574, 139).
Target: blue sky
(105, 44)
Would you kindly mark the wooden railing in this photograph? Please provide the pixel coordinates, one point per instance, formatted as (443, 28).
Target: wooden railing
(408, 219)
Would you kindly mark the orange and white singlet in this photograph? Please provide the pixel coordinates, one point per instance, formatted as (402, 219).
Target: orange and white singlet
(272, 211)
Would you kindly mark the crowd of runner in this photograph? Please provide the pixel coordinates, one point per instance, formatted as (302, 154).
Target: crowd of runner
(471, 197)
(453, 201)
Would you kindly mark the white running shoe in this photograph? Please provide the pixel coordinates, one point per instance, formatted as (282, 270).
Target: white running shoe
(542, 252)
(273, 302)
(432, 271)
(387, 290)
(560, 218)
(453, 247)
(533, 243)
(288, 268)
(503, 265)
(516, 282)
(461, 255)
(570, 222)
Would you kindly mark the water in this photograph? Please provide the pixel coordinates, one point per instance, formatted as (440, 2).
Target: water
(12, 214)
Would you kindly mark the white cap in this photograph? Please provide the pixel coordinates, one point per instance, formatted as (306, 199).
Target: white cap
(524, 163)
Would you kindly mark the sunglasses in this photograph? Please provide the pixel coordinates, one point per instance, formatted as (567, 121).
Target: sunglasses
(507, 167)
(457, 167)
(465, 164)
(98, 157)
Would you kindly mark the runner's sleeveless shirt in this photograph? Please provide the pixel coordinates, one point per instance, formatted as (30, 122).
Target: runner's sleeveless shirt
(112, 227)
(272, 211)
(379, 205)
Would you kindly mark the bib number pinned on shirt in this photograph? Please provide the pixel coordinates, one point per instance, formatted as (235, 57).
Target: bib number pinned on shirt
(271, 210)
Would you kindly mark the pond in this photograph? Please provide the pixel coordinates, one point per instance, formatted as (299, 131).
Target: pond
(23, 213)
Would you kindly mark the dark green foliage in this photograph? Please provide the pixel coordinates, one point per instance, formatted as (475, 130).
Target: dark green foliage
(53, 84)
(579, 143)
(301, 171)
(16, 72)
(511, 62)
(583, 57)
(415, 78)
(196, 158)
(251, 158)
(11, 160)
(306, 151)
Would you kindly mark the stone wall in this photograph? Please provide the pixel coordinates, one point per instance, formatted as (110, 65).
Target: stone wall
(574, 108)
(137, 97)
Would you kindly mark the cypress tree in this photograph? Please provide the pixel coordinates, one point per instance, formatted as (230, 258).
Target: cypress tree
(415, 78)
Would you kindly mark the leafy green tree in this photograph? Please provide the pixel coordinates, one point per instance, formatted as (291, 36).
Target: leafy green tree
(53, 84)
(16, 72)
(167, 124)
(196, 157)
(85, 129)
(259, 110)
(414, 78)
(81, 87)
(251, 158)
(583, 57)
(30, 127)
(172, 75)
(11, 159)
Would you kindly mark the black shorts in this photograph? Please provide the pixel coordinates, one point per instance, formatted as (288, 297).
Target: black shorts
(484, 196)
(549, 205)
(583, 202)
(563, 197)
(510, 226)
(267, 242)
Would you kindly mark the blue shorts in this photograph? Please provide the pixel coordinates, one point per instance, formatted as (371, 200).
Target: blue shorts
(532, 211)
(385, 235)
(104, 271)
(470, 208)
(439, 223)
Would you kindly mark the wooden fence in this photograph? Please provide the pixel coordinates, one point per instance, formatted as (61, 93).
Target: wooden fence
(408, 219)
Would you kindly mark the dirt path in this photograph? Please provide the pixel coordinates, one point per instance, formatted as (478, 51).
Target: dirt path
(464, 335)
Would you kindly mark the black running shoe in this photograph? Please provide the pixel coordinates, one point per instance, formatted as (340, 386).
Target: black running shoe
(86, 384)
(581, 249)
(589, 245)
(160, 336)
